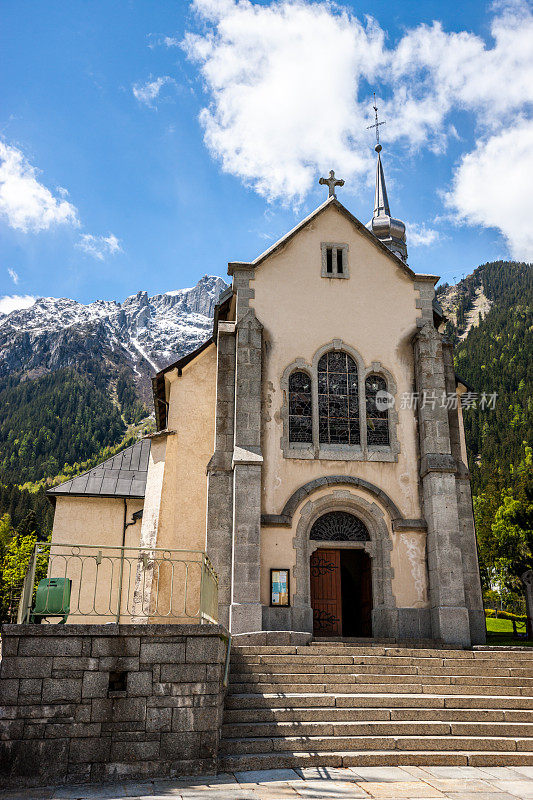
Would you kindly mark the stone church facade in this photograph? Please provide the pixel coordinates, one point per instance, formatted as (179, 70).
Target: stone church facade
(313, 447)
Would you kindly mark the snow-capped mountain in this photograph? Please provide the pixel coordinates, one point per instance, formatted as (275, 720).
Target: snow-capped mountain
(142, 333)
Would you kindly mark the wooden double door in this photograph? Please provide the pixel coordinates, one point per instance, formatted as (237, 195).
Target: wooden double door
(341, 592)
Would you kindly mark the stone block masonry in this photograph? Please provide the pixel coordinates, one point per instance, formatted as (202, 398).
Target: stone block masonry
(104, 702)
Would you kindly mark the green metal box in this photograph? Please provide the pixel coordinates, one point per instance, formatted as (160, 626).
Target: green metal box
(52, 599)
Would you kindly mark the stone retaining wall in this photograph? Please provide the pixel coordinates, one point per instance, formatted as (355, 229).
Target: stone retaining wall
(96, 702)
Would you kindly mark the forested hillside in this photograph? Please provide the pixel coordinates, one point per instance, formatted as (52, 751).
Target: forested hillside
(58, 419)
(28, 511)
(497, 357)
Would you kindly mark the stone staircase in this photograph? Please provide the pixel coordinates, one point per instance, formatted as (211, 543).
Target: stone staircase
(348, 704)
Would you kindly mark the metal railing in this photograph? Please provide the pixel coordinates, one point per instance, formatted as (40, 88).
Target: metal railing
(126, 584)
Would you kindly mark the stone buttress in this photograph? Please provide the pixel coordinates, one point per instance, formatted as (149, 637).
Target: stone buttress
(449, 614)
(234, 472)
(466, 540)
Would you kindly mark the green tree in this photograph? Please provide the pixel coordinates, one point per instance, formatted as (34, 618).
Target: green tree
(507, 548)
(15, 562)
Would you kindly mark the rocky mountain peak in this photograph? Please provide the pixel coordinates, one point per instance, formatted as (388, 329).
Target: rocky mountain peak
(142, 334)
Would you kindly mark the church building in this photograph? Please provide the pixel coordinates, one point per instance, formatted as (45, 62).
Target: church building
(313, 447)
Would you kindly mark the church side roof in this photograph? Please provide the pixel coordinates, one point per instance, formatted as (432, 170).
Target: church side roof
(331, 201)
(123, 475)
(158, 382)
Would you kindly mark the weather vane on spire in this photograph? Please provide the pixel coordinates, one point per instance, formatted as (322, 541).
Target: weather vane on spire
(376, 126)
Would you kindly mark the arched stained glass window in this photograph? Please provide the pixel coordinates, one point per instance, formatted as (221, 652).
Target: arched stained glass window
(377, 415)
(338, 399)
(339, 526)
(300, 408)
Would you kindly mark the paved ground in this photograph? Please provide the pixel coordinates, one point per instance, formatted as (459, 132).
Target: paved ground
(315, 783)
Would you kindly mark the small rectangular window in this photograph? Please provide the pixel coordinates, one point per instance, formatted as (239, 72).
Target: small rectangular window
(335, 260)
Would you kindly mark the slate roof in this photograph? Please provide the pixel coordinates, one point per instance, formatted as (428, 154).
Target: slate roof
(123, 475)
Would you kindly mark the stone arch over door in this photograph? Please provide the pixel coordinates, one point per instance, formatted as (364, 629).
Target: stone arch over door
(379, 547)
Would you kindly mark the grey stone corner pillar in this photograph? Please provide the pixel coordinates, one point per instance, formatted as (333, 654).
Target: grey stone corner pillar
(449, 614)
(527, 580)
(246, 610)
(220, 471)
(467, 541)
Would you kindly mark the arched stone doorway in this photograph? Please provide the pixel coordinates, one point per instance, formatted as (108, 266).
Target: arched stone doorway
(370, 566)
(341, 578)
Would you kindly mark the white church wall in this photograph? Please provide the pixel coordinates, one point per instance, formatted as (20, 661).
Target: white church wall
(182, 518)
(374, 312)
(410, 579)
(277, 552)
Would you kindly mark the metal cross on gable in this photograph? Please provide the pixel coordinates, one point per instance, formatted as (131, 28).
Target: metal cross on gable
(376, 125)
(331, 183)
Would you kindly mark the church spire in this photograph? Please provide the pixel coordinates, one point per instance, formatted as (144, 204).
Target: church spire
(381, 201)
(389, 230)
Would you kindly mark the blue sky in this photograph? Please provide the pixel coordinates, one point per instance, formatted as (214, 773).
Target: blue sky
(144, 144)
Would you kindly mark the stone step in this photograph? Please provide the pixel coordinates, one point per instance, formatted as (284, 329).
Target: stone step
(286, 660)
(367, 640)
(333, 714)
(376, 758)
(353, 650)
(374, 677)
(347, 650)
(326, 744)
(366, 688)
(370, 700)
(244, 732)
(342, 703)
(298, 668)
(419, 728)
(238, 659)
(312, 714)
(405, 644)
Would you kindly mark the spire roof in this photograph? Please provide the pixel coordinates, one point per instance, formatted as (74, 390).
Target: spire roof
(381, 201)
(386, 228)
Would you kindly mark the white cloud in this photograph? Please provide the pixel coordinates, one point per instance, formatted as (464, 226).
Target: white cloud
(439, 72)
(492, 187)
(15, 302)
(25, 203)
(282, 79)
(99, 246)
(285, 83)
(13, 275)
(148, 92)
(167, 41)
(420, 235)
